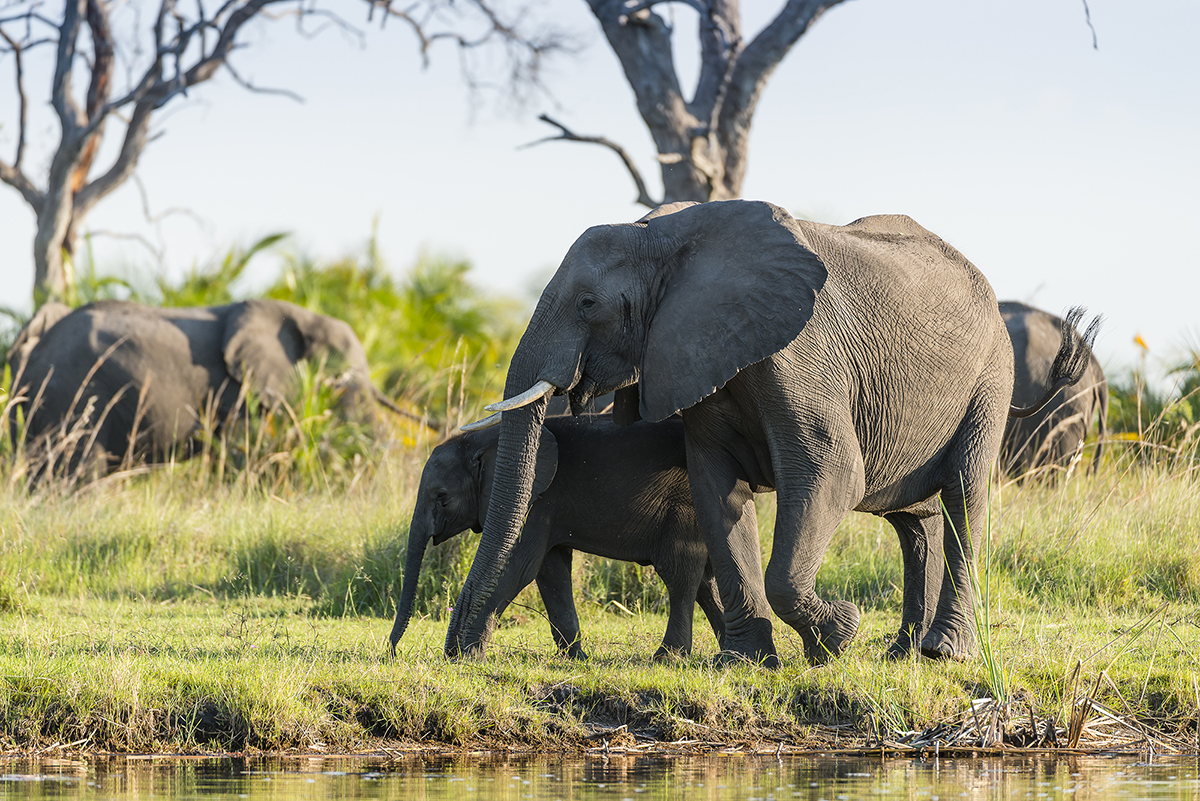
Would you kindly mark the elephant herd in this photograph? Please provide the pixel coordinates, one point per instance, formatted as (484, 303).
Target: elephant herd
(865, 367)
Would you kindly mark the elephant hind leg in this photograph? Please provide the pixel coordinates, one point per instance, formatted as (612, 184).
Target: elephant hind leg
(921, 548)
(709, 597)
(554, 585)
(951, 633)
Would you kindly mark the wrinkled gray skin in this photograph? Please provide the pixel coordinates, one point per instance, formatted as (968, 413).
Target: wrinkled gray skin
(1051, 438)
(180, 358)
(620, 493)
(862, 367)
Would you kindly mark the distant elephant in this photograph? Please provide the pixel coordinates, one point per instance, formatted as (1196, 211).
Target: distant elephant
(860, 367)
(141, 376)
(1052, 437)
(620, 493)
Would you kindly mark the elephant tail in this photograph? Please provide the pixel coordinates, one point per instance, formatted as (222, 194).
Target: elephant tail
(1072, 359)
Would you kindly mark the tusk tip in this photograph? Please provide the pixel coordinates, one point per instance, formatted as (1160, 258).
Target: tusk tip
(479, 425)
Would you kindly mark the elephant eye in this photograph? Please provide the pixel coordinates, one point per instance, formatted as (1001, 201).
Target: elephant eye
(586, 303)
(442, 498)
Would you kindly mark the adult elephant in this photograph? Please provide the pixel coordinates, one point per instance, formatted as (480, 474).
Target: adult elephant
(114, 380)
(862, 367)
(1051, 438)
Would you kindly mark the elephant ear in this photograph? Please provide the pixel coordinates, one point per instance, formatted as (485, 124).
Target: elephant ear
(262, 344)
(741, 284)
(484, 460)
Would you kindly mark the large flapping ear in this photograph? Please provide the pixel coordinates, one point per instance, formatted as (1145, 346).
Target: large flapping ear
(262, 344)
(742, 283)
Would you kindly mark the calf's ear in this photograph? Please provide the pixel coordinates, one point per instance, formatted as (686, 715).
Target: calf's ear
(484, 460)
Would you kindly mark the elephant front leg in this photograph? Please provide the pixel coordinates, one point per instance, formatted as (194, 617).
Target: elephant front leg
(725, 509)
(921, 548)
(818, 480)
(554, 585)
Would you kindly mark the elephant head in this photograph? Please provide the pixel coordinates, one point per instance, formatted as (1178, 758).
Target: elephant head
(263, 340)
(665, 310)
(453, 495)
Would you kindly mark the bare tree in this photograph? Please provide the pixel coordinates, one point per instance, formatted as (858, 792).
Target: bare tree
(702, 143)
(181, 50)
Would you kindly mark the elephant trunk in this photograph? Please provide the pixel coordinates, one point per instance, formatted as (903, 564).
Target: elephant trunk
(512, 487)
(418, 539)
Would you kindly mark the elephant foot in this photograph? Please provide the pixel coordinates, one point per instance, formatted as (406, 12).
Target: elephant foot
(958, 645)
(749, 643)
(575, 651)
(904, 646)
(829, 638)
(766, 660)
(670, 653)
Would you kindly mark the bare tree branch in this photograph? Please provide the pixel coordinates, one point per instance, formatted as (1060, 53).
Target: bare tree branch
(186, 46)
(1087, 15)
(262, 90)
(13, 174)
(568, 135)
(750, 73)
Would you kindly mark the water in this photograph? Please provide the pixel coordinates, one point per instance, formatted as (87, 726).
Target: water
(613, 779)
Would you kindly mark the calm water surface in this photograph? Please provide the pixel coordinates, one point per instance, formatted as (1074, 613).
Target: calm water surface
(614, 779)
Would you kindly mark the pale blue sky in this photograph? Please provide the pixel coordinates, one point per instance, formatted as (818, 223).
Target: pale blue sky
(1068, 175)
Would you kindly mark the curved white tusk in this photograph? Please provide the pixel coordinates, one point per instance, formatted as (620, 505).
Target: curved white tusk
(524, 399)
(479, 425)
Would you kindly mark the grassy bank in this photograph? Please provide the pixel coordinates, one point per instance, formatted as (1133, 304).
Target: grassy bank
(143, 615)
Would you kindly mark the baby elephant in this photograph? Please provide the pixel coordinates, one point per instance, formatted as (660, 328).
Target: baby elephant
(620, 493)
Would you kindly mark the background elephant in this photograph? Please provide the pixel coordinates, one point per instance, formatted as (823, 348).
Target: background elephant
(620, 493)
(141, 376)
(1052, 437)
(861, 367)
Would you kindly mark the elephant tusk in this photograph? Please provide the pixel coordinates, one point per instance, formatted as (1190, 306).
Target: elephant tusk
(479, 425)
(524, 399)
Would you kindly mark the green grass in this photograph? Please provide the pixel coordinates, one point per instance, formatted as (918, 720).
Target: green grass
(142, 615)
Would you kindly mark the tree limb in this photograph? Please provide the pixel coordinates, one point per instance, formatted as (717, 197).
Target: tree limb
(568, 135)
(69, 113)
(12, 174)
(750, 73)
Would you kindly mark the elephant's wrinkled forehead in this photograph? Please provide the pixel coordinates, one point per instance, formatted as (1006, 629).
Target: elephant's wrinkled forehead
(599, 248)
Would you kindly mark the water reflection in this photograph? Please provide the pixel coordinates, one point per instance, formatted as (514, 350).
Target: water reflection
(572, 778)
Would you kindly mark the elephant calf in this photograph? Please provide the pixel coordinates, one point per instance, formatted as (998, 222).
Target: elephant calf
(620, 493)
(1052, 437)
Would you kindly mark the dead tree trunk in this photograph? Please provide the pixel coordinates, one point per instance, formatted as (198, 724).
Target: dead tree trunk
(702, 143)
